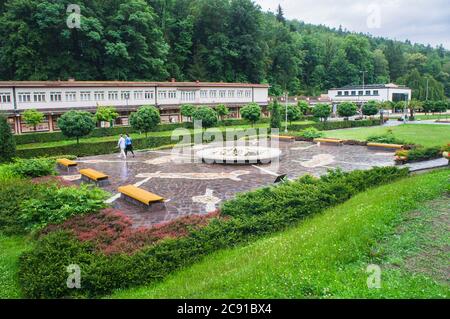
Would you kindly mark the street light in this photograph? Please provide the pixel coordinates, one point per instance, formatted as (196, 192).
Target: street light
(363, 87)
(286, 126)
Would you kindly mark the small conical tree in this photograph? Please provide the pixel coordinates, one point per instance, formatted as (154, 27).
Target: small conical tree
(7, 144)
(275, 116)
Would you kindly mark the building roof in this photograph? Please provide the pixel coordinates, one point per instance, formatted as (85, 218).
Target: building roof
(73, 83)
(372, 86)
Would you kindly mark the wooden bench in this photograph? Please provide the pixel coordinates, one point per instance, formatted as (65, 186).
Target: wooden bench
(90, 175)
(284, 138)
(329, 140)
(64, 162)
(388, 146)
(140, 195)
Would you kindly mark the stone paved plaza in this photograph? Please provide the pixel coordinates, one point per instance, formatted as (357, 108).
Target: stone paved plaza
(197, 188)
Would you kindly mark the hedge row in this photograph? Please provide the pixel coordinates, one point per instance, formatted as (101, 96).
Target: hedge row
(335, 125)
(42, 271)
(30, 138)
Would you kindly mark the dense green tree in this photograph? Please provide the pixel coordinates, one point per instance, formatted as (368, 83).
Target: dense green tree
(76, 124)
(293, 113)
(145, 119)
(187, 110)
(251, 112)
(205, 114)
(7, 144)
(33, 118)
(222, 111)
(304, 107)
(206, 40)
(275, 115)
(347, 109)
(106, 114)
(370, 108)
(322, 111)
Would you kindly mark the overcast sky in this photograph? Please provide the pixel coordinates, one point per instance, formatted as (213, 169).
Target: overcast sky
(422, 21)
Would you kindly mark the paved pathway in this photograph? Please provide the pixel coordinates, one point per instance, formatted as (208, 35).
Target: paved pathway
(197, 188)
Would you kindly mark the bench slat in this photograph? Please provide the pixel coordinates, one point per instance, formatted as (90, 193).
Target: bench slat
(93, 174)
(66, 162)
(383, 145)
(140, 194)
(328, 140)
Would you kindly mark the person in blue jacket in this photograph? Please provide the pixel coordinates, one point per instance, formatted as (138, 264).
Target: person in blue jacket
(128, 145)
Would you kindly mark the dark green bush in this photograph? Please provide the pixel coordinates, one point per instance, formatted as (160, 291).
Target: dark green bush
(7, 143)
(12, 193)
(54, 204)
(334, 125)
(34, 167)
(424, 153)
(252, 215)
(387, 138)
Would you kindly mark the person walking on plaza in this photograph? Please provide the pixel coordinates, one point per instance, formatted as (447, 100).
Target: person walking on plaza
(122, 146)
(128, 145)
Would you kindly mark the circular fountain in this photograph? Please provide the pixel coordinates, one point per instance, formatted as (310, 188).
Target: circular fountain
(239, 155)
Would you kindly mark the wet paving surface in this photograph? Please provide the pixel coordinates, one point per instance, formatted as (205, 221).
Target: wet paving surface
(198, 188)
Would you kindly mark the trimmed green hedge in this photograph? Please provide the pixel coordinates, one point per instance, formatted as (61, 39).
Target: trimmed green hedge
(42, 271)
(334, 125)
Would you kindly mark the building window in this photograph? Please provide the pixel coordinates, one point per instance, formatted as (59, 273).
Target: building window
(148, 95)
(240, 93)
(187, 95)
(5, 98)
(368, 92)
(172, 94)
(162, 94)
(203, 94)
(213, 94)
(125, 95)
(24, 97)
(353, 92)
(113, 95)
(55, 96)
(231, 93)
(339, 93)
(85, 96)
(138, 95)
(222, 93)
(39, 96)
(346, 93)
(99, 96)
(71, 96)
(375, 92)
(360, 92)
(248, 93)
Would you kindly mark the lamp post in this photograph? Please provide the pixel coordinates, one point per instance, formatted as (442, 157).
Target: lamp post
(286, 112)
(363, 86)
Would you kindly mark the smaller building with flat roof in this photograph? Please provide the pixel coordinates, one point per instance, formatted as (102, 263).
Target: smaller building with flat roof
(360, 94)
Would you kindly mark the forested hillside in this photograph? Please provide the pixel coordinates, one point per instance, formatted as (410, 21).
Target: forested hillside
(206, 40)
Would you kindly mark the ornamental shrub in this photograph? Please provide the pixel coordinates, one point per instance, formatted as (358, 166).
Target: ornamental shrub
(205, 114)
(7, 143)
(54, 204)
(311, 133)
(34, 167)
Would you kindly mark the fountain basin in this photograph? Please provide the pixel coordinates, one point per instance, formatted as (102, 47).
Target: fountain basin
(239, 155)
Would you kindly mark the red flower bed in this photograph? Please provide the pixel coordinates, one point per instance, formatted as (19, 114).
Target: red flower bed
(111, 231)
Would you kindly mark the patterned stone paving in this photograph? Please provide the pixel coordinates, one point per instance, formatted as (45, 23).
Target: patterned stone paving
(197, 188)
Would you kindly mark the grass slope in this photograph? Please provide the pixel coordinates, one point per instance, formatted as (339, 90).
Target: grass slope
(424, 134)
(324, 256)
(10, 250)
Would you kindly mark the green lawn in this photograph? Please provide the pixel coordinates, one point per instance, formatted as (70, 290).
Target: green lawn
(325, 256)
(10, 250)
(423, 134)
